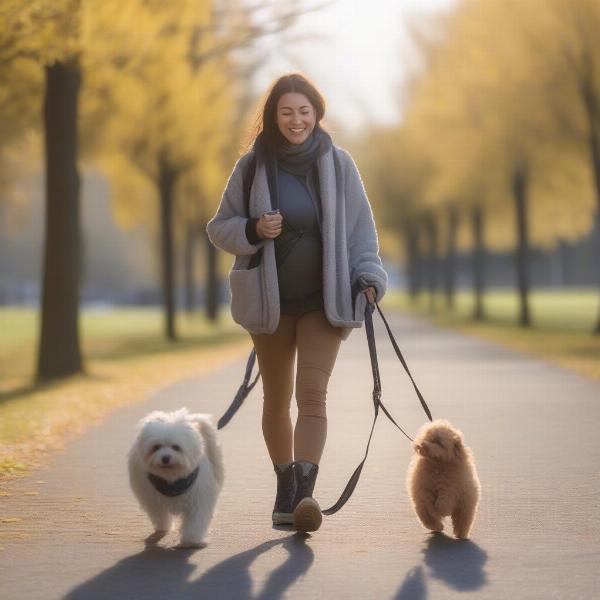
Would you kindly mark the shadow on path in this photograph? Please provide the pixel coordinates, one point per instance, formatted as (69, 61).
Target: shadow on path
(231, 578)
(413, 586)
(458, 563)
(163, 573)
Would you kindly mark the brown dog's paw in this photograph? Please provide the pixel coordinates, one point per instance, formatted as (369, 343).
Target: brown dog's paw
(433, 525)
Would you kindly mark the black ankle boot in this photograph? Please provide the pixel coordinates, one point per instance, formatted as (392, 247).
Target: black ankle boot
(307, 512)
(286, 493)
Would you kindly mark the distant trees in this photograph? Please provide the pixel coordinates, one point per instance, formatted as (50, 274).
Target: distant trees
(571, 48)
(48, 33)
(173, 117)
(148, 84)
(168, 122)
(502, 114)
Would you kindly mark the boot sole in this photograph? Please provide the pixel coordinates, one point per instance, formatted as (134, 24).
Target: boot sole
(307, 515)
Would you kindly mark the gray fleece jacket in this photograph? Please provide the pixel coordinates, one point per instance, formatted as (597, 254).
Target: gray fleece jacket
(350, 248)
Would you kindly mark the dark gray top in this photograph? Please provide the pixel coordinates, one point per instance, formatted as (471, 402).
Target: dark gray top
(298, 250)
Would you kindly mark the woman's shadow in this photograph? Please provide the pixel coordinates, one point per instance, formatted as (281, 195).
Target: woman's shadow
(231, 578)
(164, 573)
(458, 563)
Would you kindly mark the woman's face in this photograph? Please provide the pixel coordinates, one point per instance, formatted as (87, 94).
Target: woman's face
(296, 117)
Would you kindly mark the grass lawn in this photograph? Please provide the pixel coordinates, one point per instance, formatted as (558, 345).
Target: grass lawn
(126, 360)
(561, 331)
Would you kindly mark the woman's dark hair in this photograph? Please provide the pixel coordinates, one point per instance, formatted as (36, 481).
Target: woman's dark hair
(266, 120)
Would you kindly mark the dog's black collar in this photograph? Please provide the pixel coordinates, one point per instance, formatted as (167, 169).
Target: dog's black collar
(173, 488)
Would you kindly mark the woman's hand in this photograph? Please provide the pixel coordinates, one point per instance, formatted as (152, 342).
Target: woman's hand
(269, 226)
(371, 294)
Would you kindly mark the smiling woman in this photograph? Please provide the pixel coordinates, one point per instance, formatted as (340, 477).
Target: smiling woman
(307, 261)
(295, 117)
(293, 102)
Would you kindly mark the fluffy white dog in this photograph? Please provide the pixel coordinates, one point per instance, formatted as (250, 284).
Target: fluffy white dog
(176, 471)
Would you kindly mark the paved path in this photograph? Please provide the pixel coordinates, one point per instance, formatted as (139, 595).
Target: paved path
(533, 428)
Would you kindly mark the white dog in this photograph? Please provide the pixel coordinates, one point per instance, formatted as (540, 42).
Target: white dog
(176, 471)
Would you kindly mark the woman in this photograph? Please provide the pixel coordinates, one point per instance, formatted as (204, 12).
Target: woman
(306, 264)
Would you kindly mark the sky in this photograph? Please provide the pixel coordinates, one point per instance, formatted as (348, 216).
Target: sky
(358, 55)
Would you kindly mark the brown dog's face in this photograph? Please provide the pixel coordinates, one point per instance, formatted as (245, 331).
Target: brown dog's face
(439, 441)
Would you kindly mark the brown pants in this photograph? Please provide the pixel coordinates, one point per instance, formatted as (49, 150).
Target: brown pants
(317, 343)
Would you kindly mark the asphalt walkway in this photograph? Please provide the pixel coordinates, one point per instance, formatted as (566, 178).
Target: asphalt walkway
(74, 530)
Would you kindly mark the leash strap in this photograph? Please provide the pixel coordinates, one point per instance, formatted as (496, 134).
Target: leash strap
(369, 330)
(349, 489)
(345, 496)
(401, 358)
(246, 387)
(377, 403)
(242, 392)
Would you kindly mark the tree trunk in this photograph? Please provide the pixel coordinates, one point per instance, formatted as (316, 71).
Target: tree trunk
(520, 181)
(411, 238)
(167, 178)
(188, 268)
(594, 144)
(589, 98)
(211, 288)
(478, 261)
(432, 262)
(59, 353)
(450, 271)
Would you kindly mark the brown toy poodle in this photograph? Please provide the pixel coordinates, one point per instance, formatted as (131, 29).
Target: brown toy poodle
(442, 480)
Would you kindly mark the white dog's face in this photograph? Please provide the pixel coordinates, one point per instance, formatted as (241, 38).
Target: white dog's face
(440, 441)
(169, 448)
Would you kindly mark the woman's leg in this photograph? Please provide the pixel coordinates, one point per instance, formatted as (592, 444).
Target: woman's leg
(276, 353)
(318, 344)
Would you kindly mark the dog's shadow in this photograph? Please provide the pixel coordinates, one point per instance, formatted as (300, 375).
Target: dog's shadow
(158, 572)
(457, 563)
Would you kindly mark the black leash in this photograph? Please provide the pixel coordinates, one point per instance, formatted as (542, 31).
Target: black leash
(246, 387)
(401, 358)
(242, 392)
(377, 403)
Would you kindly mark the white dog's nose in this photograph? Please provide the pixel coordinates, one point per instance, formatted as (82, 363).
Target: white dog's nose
(166, 460)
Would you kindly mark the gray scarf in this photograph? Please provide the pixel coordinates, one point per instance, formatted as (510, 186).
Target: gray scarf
(299, 159)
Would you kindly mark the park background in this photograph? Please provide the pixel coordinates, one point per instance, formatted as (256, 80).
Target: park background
(475, 125)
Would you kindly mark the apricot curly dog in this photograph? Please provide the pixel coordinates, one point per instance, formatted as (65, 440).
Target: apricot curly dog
(442, 480)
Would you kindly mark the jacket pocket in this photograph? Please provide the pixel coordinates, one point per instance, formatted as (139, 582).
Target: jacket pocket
(247, 297)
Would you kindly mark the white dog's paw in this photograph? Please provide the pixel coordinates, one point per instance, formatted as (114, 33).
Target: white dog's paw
(155, 537)
(159, 533)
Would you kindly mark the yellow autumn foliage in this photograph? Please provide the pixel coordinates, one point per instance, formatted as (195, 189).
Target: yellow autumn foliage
(500, 90)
